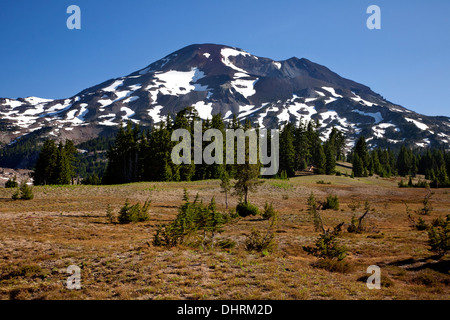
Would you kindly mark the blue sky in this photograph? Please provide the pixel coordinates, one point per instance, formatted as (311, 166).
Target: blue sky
(407, 61)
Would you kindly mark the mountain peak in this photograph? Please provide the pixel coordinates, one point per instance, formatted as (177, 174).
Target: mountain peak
(222, 79)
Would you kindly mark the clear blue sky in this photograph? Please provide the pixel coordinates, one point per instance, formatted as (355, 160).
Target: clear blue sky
(407, 61)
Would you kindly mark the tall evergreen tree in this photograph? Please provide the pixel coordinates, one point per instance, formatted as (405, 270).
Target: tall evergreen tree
(287, 150)
(46, 164)
(330, 158)
(320, 159)
(358, 166)
(55, 165)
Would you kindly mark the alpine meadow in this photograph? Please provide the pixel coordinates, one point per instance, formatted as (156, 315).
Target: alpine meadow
(214, 173)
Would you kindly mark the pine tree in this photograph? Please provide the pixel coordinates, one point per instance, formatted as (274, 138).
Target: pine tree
(404, 162)
(287, 150)
(55, 165)
(123, 156)
(358, 166)
(46, 164)
(330, 157)
(246, 174)
(376, 163)
(320, 160)
(361, 150)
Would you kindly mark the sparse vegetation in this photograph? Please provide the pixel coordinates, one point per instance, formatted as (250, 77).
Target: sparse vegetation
(24, 192)
(427, 207)
(110, 215)
(327, 246)
(331, 203)
(269, 211)
(192, 217)
(262, 241)
(12, 183)
(359, 225)
(134, 213)
(247, 209)
(123, 264)
(439, 236)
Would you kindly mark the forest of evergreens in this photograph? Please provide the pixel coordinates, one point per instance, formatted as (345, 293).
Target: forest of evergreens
(144, 154)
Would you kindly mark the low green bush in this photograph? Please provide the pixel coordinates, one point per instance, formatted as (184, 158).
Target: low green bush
(327, 246)
(25, 192)
(332, 202)
(259, 241)
(246, 209)
(269, 211)
(12, 183)
(134, 213)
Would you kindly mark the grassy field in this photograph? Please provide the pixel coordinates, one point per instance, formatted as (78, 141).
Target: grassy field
(66, 225)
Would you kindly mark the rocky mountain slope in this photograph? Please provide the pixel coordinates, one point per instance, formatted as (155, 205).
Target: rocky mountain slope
(216, 78)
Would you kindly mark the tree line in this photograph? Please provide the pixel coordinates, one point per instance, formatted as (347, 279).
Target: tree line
(434, 164)
(144, 154)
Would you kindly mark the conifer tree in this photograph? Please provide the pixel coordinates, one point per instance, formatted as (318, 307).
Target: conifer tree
(330, 158)
(287, 150)
(319, 159)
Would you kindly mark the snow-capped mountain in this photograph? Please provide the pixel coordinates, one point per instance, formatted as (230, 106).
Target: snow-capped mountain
(216, 78)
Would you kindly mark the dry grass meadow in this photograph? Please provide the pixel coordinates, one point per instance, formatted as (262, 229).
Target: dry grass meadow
(66, 225)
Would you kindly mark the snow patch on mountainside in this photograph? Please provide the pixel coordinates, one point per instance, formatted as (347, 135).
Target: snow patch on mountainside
(113, 86)
(180, 82)
(230, 52)
(332, 91)
(244, 87)
(204, 109)
(380, 129)
(377, 115)
(360, 100)
(418, 124)
(155, 114)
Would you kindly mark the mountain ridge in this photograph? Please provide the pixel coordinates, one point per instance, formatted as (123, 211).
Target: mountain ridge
(216, 78)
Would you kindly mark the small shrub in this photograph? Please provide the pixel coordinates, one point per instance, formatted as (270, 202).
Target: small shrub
(313, 211)
(269, 211)
(438, 222)
(134, 213)
(192, 217)
(232, 214)
(284, 175)
(327, 246)
(263, 242)
(439, 238)
(322, 182)
(332, 202)
(427, 207)
(16, 195)
(421, 225)
(338, 173)
(110, 215)
(353, 227)
(25, 192)
(244, 210)
(402, 184)
(257, 241)
(11, 183)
